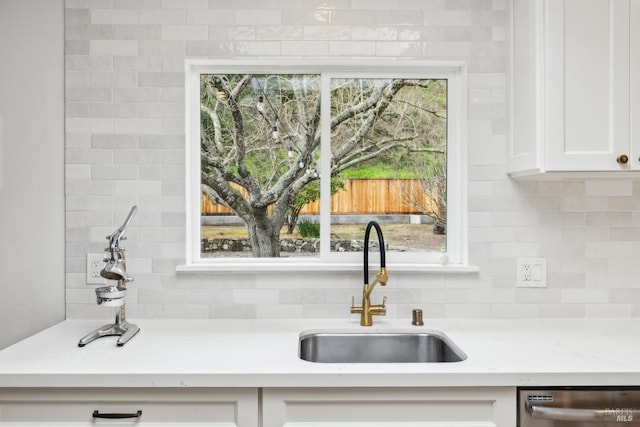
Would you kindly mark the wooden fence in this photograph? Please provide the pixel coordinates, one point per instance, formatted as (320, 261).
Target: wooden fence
(359, 196)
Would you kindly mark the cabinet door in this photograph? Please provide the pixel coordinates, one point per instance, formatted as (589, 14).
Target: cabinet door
(634, 18)
(390, 407)
(157, 407)
(587, 74)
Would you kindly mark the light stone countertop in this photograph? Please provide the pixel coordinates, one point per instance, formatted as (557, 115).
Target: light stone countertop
(264, 353)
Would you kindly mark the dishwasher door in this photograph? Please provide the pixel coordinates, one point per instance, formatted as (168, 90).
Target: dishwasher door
(578, 407)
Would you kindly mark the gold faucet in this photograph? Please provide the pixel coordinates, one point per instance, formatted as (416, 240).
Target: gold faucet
(368, 310)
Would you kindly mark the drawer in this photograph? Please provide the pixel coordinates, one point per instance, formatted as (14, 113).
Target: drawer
(129, 406)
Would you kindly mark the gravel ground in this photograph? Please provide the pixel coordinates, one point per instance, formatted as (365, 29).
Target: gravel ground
(399, 237)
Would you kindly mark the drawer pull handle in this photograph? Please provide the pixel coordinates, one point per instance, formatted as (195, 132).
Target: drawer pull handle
(97, 414)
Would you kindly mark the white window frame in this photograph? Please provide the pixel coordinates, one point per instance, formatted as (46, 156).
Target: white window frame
(457, 244)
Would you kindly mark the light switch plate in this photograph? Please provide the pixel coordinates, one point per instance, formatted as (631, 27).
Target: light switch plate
(532, 272)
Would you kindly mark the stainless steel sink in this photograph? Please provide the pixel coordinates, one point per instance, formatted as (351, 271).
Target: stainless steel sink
(380, 347)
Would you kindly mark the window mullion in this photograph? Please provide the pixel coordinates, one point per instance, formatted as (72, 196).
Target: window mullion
(325, 166)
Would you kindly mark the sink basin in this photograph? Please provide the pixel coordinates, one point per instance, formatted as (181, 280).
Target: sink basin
(379, 347)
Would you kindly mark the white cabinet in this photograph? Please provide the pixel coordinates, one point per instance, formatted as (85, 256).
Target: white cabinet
(575, 86)
(245, 407)
(169, 407)
(389, 407)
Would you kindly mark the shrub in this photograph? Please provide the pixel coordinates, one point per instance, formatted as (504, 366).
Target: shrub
(308, 228)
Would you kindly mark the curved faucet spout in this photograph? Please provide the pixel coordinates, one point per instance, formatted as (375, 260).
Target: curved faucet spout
(368, 310)
(383, 265)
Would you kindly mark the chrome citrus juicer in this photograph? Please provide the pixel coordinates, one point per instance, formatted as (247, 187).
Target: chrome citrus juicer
(114, 296)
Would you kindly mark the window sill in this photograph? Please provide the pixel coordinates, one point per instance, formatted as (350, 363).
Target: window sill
(243, 267)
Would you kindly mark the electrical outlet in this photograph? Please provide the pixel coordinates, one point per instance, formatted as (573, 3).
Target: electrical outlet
(532, 272)
(95, 264)
(526, 272)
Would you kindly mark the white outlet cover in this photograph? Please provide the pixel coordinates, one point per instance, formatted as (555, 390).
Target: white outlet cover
(95, 263)
(537, 273)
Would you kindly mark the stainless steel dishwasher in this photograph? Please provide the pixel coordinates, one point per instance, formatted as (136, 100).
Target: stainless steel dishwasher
(578, 406)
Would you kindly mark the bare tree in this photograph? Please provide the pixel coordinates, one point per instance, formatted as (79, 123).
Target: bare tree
(431, 199)
(262, 133)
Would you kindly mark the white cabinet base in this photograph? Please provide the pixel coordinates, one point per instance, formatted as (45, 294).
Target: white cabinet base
(390, 407)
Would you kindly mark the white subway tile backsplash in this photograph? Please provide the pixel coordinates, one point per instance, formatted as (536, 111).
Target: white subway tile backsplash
(136, 32)
(114, 172)
(185, 4)
(352, 49)
(609, 188)
(114, 79)
(209, 17)
(281, 32)
(398, 49)
(114, 16)
(138, 187)
(139, 94)
(227, 32)
(305, 48)
(89, 125)
(173, 310)
(256, 296)
(279, 311)
(184, 32)
(88, 63)
(113, 110)
(162, 47)
(87, 4)
(137, 4)
(257, 17)
(78, 110)
(77, 16)
(258, 48)
(136, 126)
(75, 79)
(377, 33)
(125, 145)
(88, 32)
(163, 79)
(137, 63)
(326, 32)
(113, 47)
(159, 16)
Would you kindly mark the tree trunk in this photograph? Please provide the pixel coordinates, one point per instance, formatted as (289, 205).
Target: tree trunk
(292, 219)
(263, 236)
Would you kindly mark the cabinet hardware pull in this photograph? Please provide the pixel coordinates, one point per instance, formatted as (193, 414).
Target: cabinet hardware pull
(622, 159)
(97, 414)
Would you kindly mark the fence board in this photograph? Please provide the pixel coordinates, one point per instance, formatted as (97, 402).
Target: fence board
(360, 196)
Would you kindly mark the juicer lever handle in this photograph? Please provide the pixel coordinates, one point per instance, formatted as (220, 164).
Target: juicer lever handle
(117, 235)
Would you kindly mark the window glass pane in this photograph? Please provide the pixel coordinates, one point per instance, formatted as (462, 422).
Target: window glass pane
(260, 158)
(389, 162)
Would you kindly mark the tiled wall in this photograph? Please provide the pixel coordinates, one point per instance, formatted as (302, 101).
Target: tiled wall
(125, 146)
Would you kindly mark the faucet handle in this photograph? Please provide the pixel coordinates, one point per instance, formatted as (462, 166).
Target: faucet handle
(353, 301)
(384, 302)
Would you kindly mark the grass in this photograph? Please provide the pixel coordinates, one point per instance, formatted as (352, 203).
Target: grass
(347, 231)
(380, 171)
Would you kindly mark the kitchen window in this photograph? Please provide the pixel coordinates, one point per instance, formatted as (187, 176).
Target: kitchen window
(287, 162)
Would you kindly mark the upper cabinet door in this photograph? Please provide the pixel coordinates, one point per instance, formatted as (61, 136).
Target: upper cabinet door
(573, 76)
(634, 67)
(587, 72)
